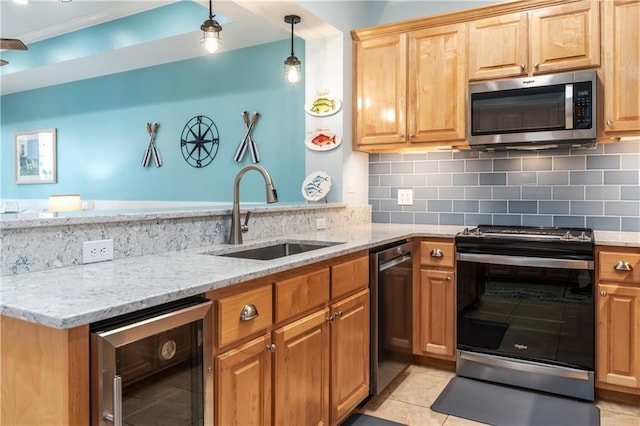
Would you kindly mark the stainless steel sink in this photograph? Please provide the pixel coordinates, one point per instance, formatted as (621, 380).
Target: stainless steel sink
(274, 251)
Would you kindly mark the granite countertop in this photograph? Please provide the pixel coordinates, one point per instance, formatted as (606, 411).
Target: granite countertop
(79, 295)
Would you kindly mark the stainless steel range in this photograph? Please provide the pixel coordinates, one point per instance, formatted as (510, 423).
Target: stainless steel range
(526, 307)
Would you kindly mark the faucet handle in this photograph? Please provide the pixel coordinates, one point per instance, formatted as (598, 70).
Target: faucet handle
(245, 225)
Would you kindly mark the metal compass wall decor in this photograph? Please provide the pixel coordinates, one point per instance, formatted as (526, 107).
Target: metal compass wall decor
(200, 141)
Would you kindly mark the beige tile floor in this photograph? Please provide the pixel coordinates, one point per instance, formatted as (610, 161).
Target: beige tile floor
(408, 398)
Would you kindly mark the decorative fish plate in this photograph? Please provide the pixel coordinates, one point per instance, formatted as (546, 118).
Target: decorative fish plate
(322, 140)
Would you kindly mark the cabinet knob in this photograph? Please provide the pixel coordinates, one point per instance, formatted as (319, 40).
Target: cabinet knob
(338, 314)
(448, 279)
(329, 319)
(522, 67)
(609, 123)
(411, 135)
(401, 136)
(249, 312)
(536, 65)
(271, 347)
(436, 253)
(623, 265)
(603, 293)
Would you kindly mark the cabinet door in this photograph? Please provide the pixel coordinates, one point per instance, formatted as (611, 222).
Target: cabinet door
(349, 354)
(498, 47)
(618, 335)
(621, 66)
(565, 37)
(380, 91)
(301, 378)
(437, 84)
(243, 385)
(437, 308)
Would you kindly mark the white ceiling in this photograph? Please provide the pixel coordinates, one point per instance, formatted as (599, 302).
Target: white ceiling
(253, 22)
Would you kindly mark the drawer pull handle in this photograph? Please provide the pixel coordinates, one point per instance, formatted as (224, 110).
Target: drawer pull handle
(249, 312)
(623, 265)
(436, 253)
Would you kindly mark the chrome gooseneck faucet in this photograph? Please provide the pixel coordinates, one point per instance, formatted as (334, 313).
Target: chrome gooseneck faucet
(235, 236)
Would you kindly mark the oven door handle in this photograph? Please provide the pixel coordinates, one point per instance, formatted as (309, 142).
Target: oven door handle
(537, 262)
(393, 262)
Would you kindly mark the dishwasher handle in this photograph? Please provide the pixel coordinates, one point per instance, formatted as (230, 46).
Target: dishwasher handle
(393, 262)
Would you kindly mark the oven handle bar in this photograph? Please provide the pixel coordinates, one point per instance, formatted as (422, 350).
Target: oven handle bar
(522, 366)
(538, 262)
(393, 262)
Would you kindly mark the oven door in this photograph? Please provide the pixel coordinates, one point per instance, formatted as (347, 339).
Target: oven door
(535, 309)
(153, 367)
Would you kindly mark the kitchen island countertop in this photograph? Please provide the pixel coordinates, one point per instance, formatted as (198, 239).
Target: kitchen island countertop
(79, 295)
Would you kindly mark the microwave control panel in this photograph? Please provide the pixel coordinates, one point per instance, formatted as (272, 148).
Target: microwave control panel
(582, 108)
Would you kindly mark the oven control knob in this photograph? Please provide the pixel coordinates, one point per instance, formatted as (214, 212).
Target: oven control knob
(568, 236)
(477, 232)
(466, 231)
(583, 236)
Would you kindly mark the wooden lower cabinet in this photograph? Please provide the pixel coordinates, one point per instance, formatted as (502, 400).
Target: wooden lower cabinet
(301, 371)
(437, 312)
(349, 354)
(44, 374)
(243, 384)
(618, 335)
(618, 319)
(435, 299)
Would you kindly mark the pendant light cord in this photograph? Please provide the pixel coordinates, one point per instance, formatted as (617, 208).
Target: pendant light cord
(292, 24)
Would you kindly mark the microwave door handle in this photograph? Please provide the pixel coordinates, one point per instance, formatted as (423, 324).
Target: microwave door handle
(568, 106)
(116, 417)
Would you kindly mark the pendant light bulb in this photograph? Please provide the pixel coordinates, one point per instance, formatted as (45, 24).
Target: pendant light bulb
(210, 40)
(292, 71)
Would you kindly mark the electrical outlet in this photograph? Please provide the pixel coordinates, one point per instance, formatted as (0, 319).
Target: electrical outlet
(405, 197)
(97, 251)
(321, 223)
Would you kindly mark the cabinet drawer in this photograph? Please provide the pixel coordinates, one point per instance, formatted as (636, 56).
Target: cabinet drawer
(436, 253)
(611, 266)
(349, 276)
(231, 327)
(301, 293)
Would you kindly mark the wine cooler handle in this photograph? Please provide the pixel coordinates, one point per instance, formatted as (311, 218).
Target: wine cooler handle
(116, 417)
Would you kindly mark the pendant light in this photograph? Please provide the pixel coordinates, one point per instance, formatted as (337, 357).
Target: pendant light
(210, 40)
(292, 64)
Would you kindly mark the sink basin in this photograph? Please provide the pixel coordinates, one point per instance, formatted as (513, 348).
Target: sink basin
(275, 251)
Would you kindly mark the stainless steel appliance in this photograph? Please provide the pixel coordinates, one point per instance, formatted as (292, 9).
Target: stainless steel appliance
(391, 312)
(525, 310)
(546, 111)
(153, 367)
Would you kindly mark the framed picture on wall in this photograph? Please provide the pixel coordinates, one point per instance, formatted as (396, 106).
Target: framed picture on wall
(35, 156)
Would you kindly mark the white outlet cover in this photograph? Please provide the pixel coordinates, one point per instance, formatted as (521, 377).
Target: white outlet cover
(97, 251)
(405, 197)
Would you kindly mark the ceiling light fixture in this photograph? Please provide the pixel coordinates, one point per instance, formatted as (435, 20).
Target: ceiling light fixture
(292, 64)
(211, 33)
(21, 1)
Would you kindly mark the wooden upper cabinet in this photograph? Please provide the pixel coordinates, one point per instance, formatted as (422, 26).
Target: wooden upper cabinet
(410, 89)
(437, 84)
(498, 46)
(621, 42)
(550, 39)
(565, 37)
(380, 90)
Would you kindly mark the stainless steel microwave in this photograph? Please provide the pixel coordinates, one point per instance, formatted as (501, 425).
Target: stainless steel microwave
(547, 111)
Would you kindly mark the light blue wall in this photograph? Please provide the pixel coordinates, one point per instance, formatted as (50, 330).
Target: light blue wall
(102, 135)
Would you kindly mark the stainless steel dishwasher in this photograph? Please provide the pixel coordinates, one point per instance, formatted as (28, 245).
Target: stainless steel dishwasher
(391, 312)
